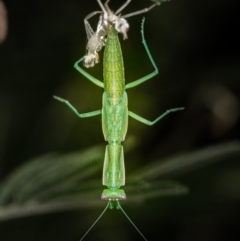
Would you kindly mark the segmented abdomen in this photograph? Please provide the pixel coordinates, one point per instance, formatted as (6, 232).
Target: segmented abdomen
(113, 73)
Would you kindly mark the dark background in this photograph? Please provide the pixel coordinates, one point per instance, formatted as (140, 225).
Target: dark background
(196, 47)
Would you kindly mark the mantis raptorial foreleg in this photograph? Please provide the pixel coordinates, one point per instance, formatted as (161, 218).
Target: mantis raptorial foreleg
(83, 115)
(150, 123)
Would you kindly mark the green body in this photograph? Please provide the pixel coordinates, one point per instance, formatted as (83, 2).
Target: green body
(115, 112)
(114, 118)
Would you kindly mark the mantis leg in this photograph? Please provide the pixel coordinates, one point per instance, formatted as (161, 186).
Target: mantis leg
(102, 7)
(157, 3)
(123, 6)
(88, 27)
(140, 11)
(84, 115)
(149, 76)
(86, 74)
(150, 123)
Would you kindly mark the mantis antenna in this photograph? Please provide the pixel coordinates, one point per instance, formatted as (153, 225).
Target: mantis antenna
(105, 209)
(111, 205)
(119, 207)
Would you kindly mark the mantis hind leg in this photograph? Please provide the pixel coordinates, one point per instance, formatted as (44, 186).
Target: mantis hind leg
(151, 75)
(150, 123)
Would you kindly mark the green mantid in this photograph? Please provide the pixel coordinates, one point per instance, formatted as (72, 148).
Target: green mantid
(115, 102)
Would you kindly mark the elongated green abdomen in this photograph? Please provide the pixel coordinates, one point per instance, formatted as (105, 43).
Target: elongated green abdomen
(113, 74)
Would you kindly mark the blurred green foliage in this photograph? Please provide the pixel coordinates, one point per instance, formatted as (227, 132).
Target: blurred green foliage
(59, 182)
